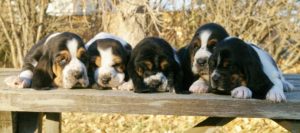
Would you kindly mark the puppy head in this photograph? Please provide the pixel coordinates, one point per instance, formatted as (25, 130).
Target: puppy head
(62, 62)
(153, 72)
(108, 62)
(225, 71)
(234, 63)
(202, 45)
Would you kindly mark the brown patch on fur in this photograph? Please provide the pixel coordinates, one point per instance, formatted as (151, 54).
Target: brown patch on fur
(225, 63)
(148, 64)
(80, 52)
(212, 42)
(196, 41)
(205, 77)
(243, 82)
(164, 64)
(57, 68)
(139, 71)
(239, 78)
(117, 59)
(97, 60)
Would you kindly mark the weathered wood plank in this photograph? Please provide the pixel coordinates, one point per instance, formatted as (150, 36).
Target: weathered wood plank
(88, 100)
(27, 122)
(108, 101)
(6, 123)
(53, 123)
(291, 125)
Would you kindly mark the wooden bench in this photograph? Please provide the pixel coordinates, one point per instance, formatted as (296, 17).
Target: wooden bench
(220, 109)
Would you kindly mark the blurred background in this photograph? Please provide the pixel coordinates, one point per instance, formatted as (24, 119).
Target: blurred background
(273, 24)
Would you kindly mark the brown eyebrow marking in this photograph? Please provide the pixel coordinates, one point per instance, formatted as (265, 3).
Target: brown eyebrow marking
(117, 59)
(163, 64)
(148, 64)
(212, 42)
(80, 52)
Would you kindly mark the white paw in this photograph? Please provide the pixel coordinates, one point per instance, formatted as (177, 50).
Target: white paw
(126, 86)
(276, 95)
(17, 82)
(241, 92)
(199, 86)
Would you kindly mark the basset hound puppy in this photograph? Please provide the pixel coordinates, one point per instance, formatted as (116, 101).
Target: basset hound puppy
(155, 67)
(243, 70)
(57, 60)
(194, 56)
(109, 55)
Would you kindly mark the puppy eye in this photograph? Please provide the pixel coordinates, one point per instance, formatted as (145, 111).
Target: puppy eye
(63, 62)
(117, 65)
(196, 47)
(212, 63)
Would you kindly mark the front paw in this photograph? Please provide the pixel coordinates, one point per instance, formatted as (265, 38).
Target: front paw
(241, 92)
(126, 86)
(276, 95)
(199, 86)
(17, 82)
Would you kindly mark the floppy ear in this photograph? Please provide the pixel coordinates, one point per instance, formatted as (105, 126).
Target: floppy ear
(256, 79)
(128, 50)
(43, 74)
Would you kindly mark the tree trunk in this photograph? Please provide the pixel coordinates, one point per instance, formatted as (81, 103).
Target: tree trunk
(126, 21)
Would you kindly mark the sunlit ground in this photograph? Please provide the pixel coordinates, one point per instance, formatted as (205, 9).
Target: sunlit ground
(121, 123)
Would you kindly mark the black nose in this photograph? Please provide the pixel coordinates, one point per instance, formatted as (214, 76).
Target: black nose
(105, 80)
(78, 75)
(215, 77)
(201, 61)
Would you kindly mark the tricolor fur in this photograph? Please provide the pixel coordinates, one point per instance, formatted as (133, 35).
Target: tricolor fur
(109, 56)
(153, 67)
(244, 71)
(58, 60)
(195, 56)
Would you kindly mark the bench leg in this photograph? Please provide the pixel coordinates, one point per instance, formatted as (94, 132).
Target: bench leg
(27, 122)
(210, 124)
(290, 125)
(6, 123)
(53, 123)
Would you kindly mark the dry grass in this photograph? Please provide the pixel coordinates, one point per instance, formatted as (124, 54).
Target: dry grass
(120, 123)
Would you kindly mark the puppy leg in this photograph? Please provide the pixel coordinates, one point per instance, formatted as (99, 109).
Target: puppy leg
(199, 86)
(126, 86)
(241, 92)
(21, 81)
(276, 93)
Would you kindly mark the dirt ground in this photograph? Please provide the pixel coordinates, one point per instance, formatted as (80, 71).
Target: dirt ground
(123, 123)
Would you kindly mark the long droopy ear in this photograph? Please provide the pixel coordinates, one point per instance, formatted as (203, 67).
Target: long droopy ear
(128, 50)
(42, 74)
